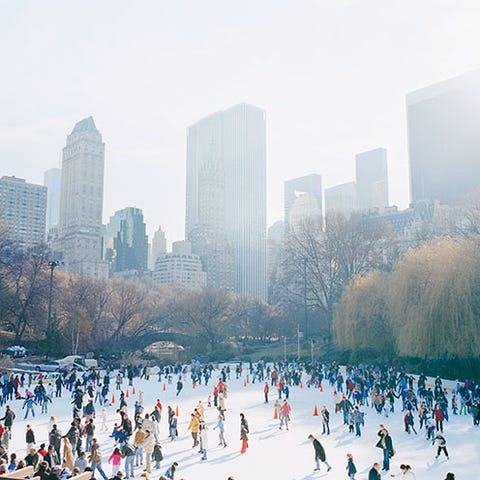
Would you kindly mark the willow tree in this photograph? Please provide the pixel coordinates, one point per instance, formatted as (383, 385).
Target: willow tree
(434, 300)
(360, 323)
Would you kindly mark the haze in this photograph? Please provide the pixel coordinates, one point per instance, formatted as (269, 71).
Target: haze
(331, 75)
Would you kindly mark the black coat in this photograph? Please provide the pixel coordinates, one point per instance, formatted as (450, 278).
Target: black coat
(374, 475)
(319, 450)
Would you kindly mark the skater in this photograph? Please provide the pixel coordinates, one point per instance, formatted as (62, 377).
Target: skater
(285, 411)
(319, 454)
(266, 389)
(194, 426)
(325, 420)
(221, 431)
(115, 459)
(96, 459)
(374, 473)
(170, 473)
(244, 431)
(29, 403)
(441, 443)
(405, 472)
(29, 437)
(351, 468)
(203, 440)
(386, 444)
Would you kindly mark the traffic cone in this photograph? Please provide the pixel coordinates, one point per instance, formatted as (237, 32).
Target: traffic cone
(193, 385)
(315, 411)
(133, 391)
(164, 387)
(244, 382)
(176, 411)
(275, 414)
(301, 385)
(126, 395)
(321, 388)
(113, 398)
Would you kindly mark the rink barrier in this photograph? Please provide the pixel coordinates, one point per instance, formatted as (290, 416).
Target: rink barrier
(26, 472)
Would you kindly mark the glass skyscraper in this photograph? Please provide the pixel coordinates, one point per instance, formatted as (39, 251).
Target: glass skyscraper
(226, 191)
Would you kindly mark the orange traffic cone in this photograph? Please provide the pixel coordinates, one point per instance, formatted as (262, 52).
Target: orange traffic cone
(176, 411)
(193, 385)
(301, 385)
(315, 411)
(164, 387)
(126, 395)
(113, 399)
(275, 414)
(244, 382)
(321, 388)
(133, 391)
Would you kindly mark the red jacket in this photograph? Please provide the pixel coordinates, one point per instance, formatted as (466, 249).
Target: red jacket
(438, 415)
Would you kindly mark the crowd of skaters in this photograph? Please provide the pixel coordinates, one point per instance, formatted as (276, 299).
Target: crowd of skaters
(137, 443)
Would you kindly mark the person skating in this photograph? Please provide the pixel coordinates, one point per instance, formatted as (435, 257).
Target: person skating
(320, 455)
(441, 444)
(374, 473)
(244, 431)
(405, 472)
(285, 411)
(325, 420)
(96, 459)
(266, 389)
(170, 473)
(221, 431)
(351, 468)
(386, 444)
(194, 426)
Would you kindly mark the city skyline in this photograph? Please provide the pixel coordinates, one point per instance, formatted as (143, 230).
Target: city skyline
(317, 118)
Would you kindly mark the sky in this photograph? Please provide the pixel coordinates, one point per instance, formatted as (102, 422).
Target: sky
(332, 76)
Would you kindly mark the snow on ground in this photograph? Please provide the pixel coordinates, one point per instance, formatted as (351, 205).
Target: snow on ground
(272, 453)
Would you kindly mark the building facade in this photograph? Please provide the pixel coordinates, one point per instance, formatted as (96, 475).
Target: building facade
(126, 242)
(52, 179)
(23, 211)
(180, 267)
(226, 197)
(444, 140)
(310, 185)
(341, 199)
(158, 246)
(79, 243)
(371, 180)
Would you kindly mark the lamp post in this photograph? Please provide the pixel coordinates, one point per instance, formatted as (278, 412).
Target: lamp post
(52, 264)
(305, 303)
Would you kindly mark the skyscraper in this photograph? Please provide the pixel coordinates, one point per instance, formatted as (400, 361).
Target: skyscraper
(81, 202)
(159, 246)
(125, 242)
(226, 194)
(341, 199)
(444, 139)
(22, 209)
(372, 179)
(52, 179)
(294, 188)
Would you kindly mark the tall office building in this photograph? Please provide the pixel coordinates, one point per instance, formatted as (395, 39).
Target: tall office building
(126, 242)
(52, 179)
(295, 188)
(372, 179)
(226, 196)
(159, 246)
(341, 199)
(275, 237)
(81, 202)
(444, 139)
(23, 210)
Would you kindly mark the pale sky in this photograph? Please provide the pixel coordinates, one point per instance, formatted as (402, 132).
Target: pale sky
(332, 76)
